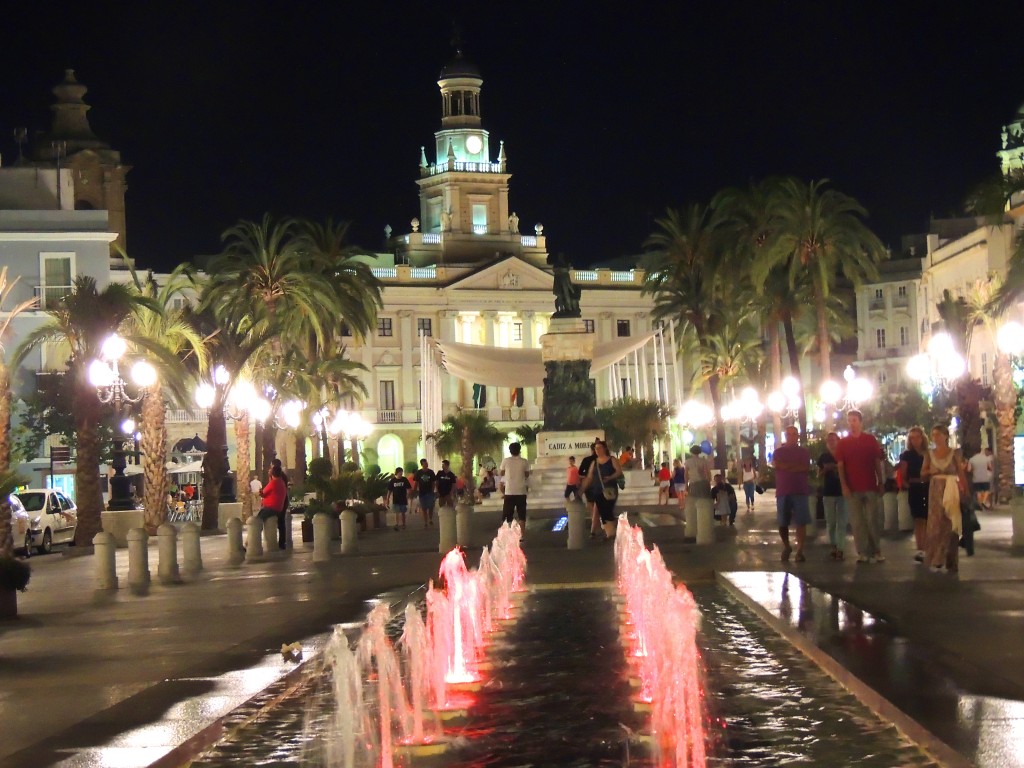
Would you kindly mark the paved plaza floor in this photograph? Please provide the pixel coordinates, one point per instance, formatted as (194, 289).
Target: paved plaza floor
(117, 678)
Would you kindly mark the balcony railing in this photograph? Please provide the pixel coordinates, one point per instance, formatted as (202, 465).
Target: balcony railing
(49, 295)
(431, 238)
(389, 417)
(479, 229)
(877, 304)
(423, 273)
(382, 273)
(529, 241)
(462, 166)
(182, 416)
(901, 301)
(585, 275)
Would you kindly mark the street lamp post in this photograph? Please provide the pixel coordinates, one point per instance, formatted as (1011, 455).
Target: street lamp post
(111, 388)
(939, 367)
(843, 397)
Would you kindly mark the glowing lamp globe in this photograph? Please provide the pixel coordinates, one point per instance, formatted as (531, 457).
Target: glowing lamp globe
(260, 409)
(205, 394)
(729, 411)
(790, 387)
(952, 366)
(749, 395)
(221, 375)
(776, 402)
(830, 391)
(318, 419)
(860, 390)
(919, 368)
(143, 374)
(1010, 338)
(363, 428)
(128, 426)
(291, 413)
(100, 374)
(243, 394)
(113, 348)
(941, 345)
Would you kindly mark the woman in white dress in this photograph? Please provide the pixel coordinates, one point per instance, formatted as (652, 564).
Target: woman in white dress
(944, 469)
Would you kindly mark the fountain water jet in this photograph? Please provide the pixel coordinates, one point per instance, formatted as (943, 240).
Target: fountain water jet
(663, 646)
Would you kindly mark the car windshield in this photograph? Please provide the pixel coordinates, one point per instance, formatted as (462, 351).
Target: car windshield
(33, 502)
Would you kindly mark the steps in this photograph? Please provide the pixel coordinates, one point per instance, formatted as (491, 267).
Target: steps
(547, 490)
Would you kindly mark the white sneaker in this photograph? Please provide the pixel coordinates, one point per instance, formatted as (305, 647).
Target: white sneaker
(878, 559)
(862, 558)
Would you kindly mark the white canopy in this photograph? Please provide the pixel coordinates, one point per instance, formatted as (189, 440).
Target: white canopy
(178, 469)
(498, 366)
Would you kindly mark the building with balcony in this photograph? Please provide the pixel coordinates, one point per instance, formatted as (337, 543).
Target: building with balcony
(888, 332)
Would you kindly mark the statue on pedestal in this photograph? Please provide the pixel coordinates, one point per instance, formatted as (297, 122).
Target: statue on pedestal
(567, 294)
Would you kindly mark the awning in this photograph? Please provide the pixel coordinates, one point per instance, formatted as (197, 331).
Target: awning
(177, 469)
(501, 367)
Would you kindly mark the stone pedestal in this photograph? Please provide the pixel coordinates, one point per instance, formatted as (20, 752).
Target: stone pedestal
(569, 401)
(118, 522)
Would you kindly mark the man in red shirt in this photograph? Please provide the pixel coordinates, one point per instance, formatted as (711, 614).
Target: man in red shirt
(861, 474)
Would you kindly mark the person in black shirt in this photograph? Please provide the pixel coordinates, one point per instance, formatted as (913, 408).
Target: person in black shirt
(909, 470)
(836, 516)
(425, 487)
(398, 496)
(590, 492)
(445, 483)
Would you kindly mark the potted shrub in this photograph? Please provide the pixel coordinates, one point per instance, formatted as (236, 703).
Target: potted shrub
(14, 577)
(368, 490)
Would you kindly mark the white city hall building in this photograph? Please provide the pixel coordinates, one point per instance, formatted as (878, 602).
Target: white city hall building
(464, 273)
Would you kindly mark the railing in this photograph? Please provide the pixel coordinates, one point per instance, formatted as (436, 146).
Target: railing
(901, 301)
(431, 238)
(49, 295)
(529, 241)
(584, 275)
(389, 417)
(181, 416)
(623, 277)
(464, 166)
(479, 229)
(384, 272)
(876, 304)
(423, 273)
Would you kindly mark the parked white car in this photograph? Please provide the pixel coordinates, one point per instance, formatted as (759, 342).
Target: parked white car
(21, 527)
(53, 517)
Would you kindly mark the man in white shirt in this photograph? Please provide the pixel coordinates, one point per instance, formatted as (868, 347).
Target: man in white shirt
(514, 471)
(255, 486)
(981, 476)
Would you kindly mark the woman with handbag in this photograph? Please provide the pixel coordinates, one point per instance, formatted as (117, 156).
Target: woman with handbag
(946, 483)
(604, 476)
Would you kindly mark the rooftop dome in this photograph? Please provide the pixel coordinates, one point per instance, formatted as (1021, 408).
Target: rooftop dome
(459, 66)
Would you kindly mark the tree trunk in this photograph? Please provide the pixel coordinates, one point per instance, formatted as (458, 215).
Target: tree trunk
(775, 363)
(86, 408)
(154, 453)
(269, 447)
(969, 394)
(1005, 396)
(214, 463)
(243, 460)
(721, 458)
(301, 466)
(6, 530)
(794, 366)
(466, 451)
(824, 348)
(261, 471)
(355, 450)
(341, 452)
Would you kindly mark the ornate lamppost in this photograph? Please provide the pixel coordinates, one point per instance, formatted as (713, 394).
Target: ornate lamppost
(111, 388)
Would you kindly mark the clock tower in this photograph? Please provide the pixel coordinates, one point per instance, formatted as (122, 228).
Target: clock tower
(464, 208)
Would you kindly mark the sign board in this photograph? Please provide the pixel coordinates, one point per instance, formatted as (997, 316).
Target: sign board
(60, 454)
(567, 443)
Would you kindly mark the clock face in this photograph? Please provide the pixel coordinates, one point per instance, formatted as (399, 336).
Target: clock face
(474, 145)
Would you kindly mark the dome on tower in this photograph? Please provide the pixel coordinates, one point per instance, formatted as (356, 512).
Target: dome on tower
(459, 66)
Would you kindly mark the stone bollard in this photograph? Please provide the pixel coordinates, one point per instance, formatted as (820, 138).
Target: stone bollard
(890, 521)
(1017, 518)
(446, 528)
(904, 519)
(690, 508)
(191, 552)
(167, 549)
(254, 539)
(349, 532)
(104, 546)
(270, 536)
(138, 557)
(811, 532)
(577, 512)
(321, 538)
(705, 521)
(463, 523)
(236, 551)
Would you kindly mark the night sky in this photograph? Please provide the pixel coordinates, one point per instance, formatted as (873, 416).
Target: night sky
(609, 113)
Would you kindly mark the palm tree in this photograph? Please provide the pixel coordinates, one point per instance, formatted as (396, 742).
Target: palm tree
(527, 434)
(636, 422)
(81, 321)
(164, 332)
(7, 318)
(9, 481)
(687, 275)
(820, 233)
(470, 434)
(959, 320)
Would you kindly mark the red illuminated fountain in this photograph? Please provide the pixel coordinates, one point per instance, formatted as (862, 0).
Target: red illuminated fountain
(386, 704)
(660, 637)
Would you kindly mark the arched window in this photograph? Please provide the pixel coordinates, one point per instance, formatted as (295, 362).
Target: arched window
(390, 452)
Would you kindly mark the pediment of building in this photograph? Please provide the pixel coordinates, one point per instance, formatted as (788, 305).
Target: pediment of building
(511, 274)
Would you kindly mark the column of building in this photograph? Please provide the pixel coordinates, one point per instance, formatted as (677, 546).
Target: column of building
(452, 393)
(410, 382)
(530, 342)
(490, 319)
